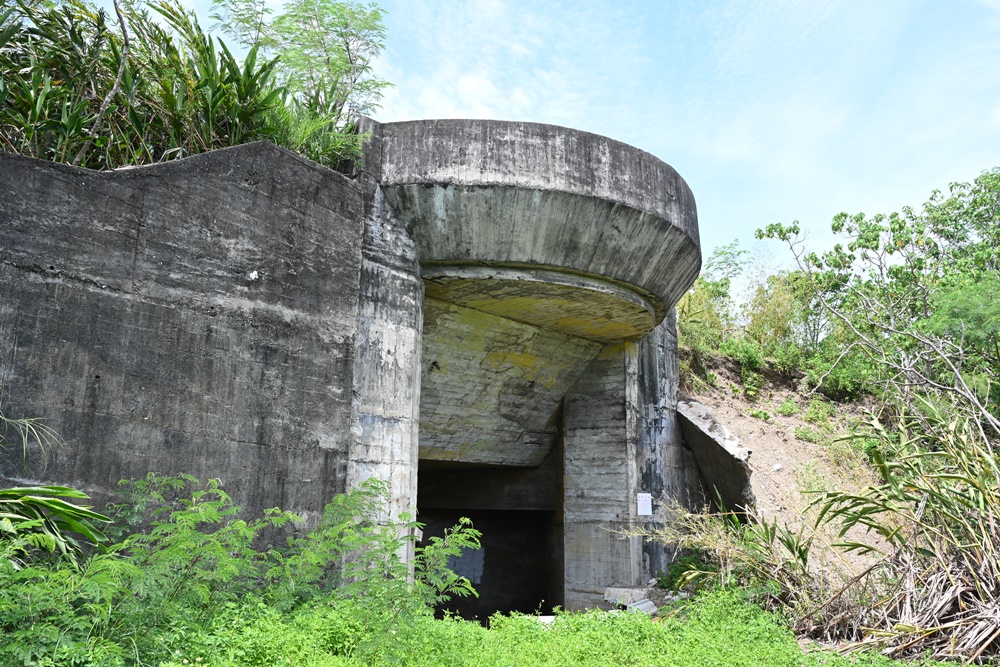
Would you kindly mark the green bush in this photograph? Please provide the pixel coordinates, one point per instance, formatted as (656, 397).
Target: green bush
(788, 408)
(819, 412)
(844, 380)
(190, 585)
(751, 360)
(73, 90)
(788, 357)
(674, 579)
(746, 352)
(807, 434)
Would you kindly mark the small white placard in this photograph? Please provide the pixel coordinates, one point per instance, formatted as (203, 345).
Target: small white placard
(645, 504)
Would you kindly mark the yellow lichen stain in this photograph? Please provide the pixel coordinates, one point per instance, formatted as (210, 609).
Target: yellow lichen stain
(533, 369)
(576, 311)
(612, 351)
(603, 330)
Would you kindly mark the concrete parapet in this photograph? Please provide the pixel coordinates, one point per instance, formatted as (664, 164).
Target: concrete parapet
(543, 197)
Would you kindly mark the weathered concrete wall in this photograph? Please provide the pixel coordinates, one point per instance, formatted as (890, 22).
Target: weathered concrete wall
(387, 361)
(196, 316)
(667, 470)
(490, 298)
(492, 487)
(723, 462)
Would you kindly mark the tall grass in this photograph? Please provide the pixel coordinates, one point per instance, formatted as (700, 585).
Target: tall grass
(71, 91)
(938, 584)
(933, 584)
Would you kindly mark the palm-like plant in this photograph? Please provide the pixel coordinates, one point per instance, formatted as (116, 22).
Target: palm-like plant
(77, 87)
(938, 509)
(40, 517)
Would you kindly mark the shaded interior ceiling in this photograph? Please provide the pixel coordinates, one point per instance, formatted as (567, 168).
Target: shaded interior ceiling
(501, 348)
(492, 387)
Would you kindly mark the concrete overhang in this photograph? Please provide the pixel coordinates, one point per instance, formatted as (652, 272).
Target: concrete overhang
(538, 246)
(539, 200)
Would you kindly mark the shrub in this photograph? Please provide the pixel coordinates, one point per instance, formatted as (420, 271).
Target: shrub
(819, 412)
(937, 510)
(746, 352)
(192, 585)
(807, 434)
(675, 577)
(788, 408)
(138, 89)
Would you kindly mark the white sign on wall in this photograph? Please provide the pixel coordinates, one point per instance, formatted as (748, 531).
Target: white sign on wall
(644, 501)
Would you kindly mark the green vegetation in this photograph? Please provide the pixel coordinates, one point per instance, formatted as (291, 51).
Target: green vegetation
(807, 434)
(77, 86)
(190, 589)
(788, 408)
(40, 518)
(937, 511)
(191, 585)
(904, 312)
(819, 412)
(913, 298)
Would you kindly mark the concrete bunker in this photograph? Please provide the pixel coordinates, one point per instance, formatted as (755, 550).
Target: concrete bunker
(549, 259)
(481, 316)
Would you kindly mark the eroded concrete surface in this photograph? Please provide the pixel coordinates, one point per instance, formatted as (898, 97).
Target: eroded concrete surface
(722, 459)
(487, 303)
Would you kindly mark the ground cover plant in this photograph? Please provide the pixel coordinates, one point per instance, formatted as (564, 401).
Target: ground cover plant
(192, 576)
(178, 583)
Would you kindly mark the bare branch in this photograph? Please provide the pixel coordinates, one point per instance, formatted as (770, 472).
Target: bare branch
(111, 94)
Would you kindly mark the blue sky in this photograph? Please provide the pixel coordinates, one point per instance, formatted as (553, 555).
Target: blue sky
(771, 110)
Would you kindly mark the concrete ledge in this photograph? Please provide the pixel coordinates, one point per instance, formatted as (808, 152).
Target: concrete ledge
(724, 462)
(574, 305)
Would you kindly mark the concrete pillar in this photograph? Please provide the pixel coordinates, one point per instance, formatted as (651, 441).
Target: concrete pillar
(621, 438)
(386, 392)
(600, 478)
(667, 469)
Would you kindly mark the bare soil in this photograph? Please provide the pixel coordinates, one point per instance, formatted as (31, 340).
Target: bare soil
(795, 457)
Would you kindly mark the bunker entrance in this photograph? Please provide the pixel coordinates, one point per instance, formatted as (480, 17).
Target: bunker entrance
(520, 565)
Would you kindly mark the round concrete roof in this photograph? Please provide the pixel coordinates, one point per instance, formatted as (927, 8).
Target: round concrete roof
(531, 196)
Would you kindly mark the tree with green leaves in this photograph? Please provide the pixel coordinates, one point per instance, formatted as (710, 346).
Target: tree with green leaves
(915, 293)
(325, 51)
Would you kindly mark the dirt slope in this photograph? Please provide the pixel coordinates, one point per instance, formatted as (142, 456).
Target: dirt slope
(796, 449)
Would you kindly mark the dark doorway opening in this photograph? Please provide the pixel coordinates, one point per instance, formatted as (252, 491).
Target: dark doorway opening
(511, 572)
(518, 511)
